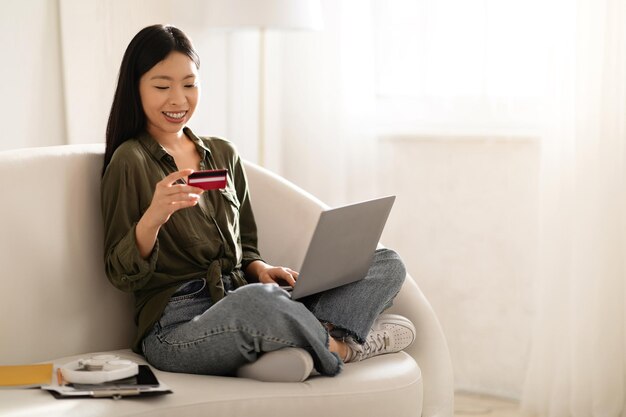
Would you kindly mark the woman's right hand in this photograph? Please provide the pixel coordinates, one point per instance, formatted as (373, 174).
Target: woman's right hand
(168, 198)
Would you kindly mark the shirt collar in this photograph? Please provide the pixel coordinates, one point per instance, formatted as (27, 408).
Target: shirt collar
(202, 148)
(159, 152)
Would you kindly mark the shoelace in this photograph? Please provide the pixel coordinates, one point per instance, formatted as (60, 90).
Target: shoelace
(374, 345)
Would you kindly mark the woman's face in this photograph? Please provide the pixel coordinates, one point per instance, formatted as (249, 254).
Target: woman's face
(169, 94)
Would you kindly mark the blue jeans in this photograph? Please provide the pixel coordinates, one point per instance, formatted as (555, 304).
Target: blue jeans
(195, 335)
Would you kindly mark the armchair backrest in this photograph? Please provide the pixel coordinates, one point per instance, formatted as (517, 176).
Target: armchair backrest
(56, 300)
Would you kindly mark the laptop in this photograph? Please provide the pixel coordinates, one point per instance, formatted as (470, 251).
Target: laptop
(342, 247)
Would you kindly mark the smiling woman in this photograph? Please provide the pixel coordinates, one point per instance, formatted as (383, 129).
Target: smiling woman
(206, 302)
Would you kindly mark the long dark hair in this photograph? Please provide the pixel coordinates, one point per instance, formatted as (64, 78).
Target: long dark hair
(149, 47)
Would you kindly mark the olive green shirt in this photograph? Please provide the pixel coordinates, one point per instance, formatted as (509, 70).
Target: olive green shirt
(214, 238)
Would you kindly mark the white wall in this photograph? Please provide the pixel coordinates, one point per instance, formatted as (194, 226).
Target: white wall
(465, 222)
(94, 35)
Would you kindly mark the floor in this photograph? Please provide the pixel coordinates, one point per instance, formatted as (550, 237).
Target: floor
(478, 405)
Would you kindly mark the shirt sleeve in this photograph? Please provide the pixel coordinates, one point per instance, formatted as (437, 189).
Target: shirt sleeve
(247, 224)
(121, 210)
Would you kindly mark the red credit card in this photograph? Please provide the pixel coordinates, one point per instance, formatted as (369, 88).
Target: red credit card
(208, 180)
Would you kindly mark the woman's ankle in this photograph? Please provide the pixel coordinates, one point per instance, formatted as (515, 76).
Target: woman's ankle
(339, 347)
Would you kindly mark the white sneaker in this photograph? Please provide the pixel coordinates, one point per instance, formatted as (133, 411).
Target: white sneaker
(390, 333)
(283, 365)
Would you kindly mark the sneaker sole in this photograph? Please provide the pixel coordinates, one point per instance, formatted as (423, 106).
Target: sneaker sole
(395, 319)
(283, 365)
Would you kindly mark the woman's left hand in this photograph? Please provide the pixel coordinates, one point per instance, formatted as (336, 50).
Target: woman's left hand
(268, 274)
(275, 274)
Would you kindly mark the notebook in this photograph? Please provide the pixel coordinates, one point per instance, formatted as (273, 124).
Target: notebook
(25, 376)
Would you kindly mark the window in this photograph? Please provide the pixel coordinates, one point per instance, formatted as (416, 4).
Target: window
(460, 65)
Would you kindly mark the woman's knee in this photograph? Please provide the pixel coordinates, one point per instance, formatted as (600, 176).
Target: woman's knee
(392, 264)
(258, 291)
(269, 309)
(259, 298)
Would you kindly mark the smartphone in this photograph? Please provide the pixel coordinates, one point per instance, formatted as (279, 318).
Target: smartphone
(211, 179)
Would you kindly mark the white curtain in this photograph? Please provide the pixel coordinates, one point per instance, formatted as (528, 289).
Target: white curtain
(577, 364)
(327, 83)
(32, 109)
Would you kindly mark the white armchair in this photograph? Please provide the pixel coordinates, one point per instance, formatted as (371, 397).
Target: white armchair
(58, 305)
